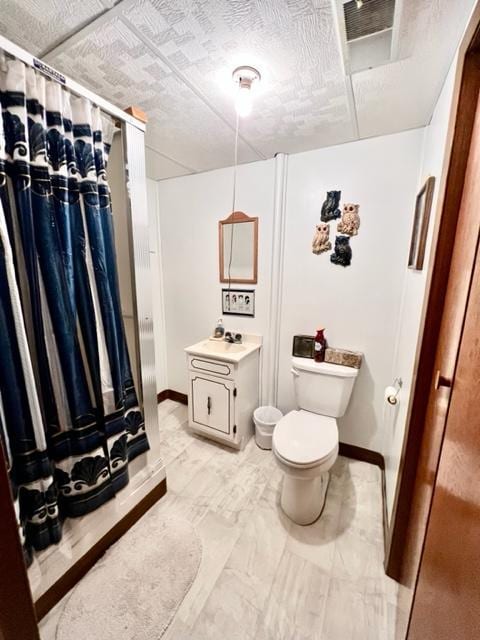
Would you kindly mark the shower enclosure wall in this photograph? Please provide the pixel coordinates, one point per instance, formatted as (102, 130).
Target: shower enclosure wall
(126, 176)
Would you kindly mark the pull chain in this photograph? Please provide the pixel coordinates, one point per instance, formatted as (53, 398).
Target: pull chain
(233, 200)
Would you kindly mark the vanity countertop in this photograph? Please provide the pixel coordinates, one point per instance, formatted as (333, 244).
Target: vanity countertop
(226, 351)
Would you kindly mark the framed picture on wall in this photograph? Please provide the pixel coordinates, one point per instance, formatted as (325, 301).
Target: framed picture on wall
(423, 205)
(238, 302)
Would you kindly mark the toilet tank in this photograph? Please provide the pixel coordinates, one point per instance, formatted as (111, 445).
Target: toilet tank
(322, 387)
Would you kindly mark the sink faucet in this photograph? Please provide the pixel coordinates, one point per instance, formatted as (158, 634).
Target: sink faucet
(233, 337)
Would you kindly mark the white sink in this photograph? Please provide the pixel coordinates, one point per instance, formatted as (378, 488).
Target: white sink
(223, 347)
(221, 350)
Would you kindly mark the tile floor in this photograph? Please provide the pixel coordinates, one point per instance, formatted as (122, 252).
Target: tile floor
(263, 577)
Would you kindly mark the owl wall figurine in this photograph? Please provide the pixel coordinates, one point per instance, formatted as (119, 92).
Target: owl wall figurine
(321, 240)
(350, 222)
(342, 254)
(330, 210)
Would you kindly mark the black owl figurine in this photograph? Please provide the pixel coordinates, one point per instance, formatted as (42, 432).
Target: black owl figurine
(342, 253)
(330, 208)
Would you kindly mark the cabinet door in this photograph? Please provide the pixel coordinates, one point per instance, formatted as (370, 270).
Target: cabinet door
(212, 403)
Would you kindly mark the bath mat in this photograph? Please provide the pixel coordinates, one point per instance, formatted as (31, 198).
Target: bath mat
(135, 589)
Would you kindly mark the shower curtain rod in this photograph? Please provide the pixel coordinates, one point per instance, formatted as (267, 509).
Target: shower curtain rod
(74, 87)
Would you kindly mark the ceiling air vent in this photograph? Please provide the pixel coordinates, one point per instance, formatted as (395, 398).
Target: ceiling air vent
(370, 17)
(367, 29)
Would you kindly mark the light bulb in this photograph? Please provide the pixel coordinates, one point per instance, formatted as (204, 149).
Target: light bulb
(359, 4)
(243, 101)
(244, 77)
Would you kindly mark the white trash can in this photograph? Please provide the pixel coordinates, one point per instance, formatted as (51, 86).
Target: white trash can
(265, 419)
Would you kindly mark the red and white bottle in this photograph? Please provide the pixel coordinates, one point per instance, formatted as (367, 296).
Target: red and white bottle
(320, 346)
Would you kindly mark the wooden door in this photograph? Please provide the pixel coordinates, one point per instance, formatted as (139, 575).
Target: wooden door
(446, 603)
(456, 295)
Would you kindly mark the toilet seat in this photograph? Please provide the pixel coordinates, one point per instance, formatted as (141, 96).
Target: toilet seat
(300, 468)
(303, 439)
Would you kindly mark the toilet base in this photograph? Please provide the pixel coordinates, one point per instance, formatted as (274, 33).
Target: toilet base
(302, 500)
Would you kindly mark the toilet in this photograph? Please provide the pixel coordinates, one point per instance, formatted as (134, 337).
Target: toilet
(305, 442)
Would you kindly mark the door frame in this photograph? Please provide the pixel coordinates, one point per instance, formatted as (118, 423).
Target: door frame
(445, 599)
(17, 613)
(399, 564)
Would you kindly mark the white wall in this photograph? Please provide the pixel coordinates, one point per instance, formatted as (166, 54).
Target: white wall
(190, 208)
(358, 305)
(436, 150)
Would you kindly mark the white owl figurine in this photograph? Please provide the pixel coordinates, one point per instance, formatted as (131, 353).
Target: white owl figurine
(321, 240)
(350, 222)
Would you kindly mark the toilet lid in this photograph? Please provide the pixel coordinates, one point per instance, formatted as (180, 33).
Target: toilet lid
(303, 438)
(338, 370)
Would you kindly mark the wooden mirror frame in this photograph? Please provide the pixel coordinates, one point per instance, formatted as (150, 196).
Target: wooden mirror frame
(235, 218)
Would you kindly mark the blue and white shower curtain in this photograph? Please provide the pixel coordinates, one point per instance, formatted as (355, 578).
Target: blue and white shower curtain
(69, 415)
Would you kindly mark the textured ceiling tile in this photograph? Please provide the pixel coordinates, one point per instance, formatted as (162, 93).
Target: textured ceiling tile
(302, 96)
(174, 58)
(182, 126)
(36, 24)
(432, 27)
(394, 97)
(402, 95)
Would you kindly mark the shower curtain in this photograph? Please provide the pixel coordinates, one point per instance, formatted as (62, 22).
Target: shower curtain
(69, 415)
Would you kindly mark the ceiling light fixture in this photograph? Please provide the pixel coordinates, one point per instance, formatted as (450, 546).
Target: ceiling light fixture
(244, 77)
(359, 4)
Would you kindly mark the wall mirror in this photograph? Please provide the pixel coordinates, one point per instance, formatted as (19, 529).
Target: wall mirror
(238, 248)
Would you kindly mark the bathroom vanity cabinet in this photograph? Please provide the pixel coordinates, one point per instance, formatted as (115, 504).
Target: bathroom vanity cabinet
(223, 393)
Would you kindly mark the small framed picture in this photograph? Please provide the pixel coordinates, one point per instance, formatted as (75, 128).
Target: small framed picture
(238, 302)
(418, 241)
(303, 346)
